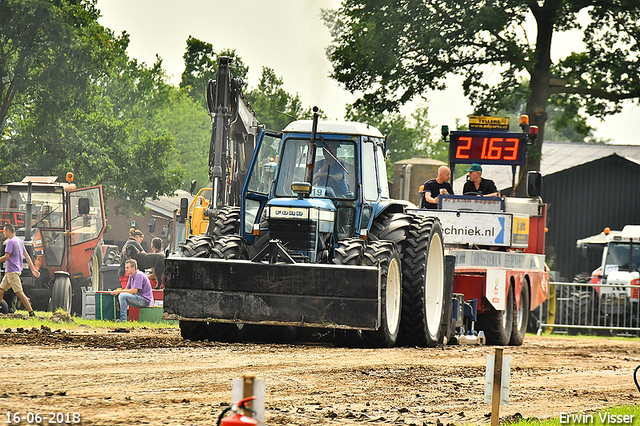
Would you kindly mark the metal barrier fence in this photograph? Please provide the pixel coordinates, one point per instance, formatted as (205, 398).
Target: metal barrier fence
(586, 308)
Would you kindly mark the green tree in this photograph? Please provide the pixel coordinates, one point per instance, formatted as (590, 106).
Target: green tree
(201, 64)
(190, 126)
(274, 106)
(73, 101)
(406, 138)
(394, 51)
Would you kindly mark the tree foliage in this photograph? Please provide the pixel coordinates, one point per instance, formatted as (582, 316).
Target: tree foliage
(393, 51)
(72, 100)
(406, 138)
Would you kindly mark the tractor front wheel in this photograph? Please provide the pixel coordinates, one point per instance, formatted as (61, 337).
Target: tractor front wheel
(61, 296)
(497, 325)
(385, 255)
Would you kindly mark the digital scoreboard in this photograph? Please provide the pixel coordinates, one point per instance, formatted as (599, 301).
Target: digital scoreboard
(488, 147)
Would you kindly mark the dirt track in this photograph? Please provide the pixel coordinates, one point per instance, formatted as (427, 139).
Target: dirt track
(153, 377)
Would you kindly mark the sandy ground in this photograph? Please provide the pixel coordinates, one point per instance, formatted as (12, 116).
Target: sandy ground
(153, 377)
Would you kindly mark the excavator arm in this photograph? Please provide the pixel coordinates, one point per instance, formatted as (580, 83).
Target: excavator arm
(233, 136)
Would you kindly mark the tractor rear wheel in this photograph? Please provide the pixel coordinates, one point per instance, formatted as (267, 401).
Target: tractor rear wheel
(521, 319)
(61, 294)
(424, 305)
(497, 325)
(385, 254)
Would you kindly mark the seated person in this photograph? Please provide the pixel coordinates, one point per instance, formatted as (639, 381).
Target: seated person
(329, 173)
(477, 185)
(434, 187)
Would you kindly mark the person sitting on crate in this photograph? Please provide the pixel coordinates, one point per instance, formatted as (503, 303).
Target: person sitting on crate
(138, 292)
(477, 185)
(135, 239)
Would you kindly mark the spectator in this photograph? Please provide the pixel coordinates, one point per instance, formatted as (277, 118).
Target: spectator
(434, 187)
(14, 253)
(137, 293)
(156, 282)
(135, 237)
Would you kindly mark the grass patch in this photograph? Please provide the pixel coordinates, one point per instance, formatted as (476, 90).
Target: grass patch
(610, 416)
(62, 320)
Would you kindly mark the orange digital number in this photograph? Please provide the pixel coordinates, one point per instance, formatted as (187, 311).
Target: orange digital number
(461, 148)
(513, 149)
(494, 152)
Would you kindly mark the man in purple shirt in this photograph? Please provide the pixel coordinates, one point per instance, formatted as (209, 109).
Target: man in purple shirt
(14, 253)
(138, 291)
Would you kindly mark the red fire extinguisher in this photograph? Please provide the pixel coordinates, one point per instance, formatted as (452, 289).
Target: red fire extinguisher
(238, 419)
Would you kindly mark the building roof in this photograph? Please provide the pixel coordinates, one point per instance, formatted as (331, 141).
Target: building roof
(556, 156)
(166, 205)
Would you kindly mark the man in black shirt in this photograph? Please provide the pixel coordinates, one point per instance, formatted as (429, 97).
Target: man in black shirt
(434, 187)
(477, 185)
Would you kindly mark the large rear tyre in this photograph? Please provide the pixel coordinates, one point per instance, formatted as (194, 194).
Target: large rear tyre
(61, 295)
(521, 319)
(197, 246)
(193, 330)
(419, 239)
(497, 325)
(229, 247)
(227, 222)
(385, 254)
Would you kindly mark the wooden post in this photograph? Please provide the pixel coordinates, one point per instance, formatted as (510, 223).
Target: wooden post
(247, 390)
(497, 386)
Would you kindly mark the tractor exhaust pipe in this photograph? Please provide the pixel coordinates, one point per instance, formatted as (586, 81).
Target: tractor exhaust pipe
(311, 153)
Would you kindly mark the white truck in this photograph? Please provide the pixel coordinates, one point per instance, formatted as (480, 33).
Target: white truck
(611, 299)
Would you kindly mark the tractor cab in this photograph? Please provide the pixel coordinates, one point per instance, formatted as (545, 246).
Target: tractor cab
(345, 189)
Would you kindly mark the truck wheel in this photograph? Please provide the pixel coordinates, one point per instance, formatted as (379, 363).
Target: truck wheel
(579, 312)
(193, 330)
(521, 316)
(197, 246)
(419, 239)
(385, 254)
(4, 307)
(497, 325)
(348, 252)
(61, 294)
(227, 222)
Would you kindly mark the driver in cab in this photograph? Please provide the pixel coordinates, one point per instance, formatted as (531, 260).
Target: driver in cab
(477, 185)
(330, 173)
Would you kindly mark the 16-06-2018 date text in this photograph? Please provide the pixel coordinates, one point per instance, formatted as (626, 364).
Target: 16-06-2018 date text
(50, 418)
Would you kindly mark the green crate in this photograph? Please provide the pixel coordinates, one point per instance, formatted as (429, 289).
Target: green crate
(106, 306)
(152, 314)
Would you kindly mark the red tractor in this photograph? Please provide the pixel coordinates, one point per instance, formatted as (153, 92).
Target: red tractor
(62, 228)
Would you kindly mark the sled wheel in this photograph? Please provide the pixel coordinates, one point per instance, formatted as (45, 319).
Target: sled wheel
(521, 320)
(497, 325)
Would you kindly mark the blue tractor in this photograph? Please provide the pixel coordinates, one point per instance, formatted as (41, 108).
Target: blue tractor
(310, 240)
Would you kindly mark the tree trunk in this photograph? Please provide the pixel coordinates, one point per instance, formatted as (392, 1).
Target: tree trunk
(540, 91)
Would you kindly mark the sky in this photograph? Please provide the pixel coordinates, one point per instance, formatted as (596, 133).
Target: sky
(289, 37)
